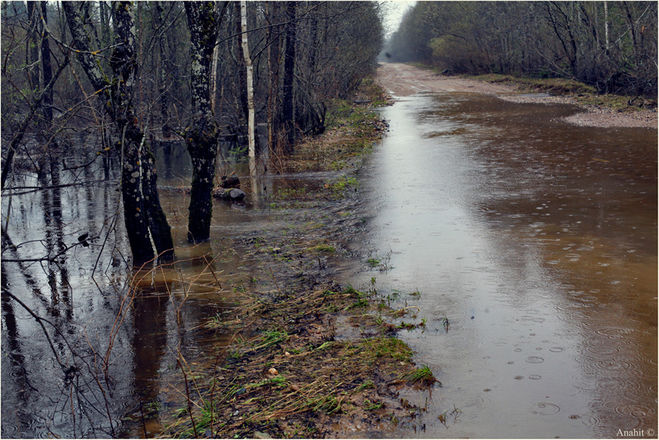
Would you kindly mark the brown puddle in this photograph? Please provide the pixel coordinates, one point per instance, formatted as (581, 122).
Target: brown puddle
(537, 240)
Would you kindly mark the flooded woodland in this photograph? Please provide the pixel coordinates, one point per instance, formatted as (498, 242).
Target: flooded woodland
(447, 257)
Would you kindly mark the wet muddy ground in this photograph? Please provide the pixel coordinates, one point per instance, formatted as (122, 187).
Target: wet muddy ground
(405, 80)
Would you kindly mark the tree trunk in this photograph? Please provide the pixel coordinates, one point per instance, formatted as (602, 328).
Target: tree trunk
(215, 63)
(104, 13)
(163, 87)
(240, 98)
(632, 28)
(606, 27)
(46, 68)
(250, 90)
(274, 50)
(313, 45)
(143, 216)
(201, 135)
(22, 128)
(135, 214)
(32, 43)
(40, 49)
(289, 70)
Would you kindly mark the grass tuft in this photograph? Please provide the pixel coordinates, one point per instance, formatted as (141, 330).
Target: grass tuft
(421, 376)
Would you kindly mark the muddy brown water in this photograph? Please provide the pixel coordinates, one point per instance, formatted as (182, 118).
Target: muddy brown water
(533, 239)
(537, 241)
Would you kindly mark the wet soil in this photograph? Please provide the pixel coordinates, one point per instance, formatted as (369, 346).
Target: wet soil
(405, 80)
(514, 253)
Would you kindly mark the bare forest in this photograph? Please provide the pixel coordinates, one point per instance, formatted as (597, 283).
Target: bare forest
(328, 219)
(609, 45)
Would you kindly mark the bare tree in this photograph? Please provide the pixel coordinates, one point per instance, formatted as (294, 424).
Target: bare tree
(202, 133)
(250, 89)
(143, 216)
(288, 111)
(538, 39)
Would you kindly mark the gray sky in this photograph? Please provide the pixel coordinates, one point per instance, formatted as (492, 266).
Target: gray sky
(393, 13)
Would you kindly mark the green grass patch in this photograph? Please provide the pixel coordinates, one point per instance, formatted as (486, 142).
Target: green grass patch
(384, 346)
(328, 404)
(276, 381)
(372, 406)
(366, 385)
(291, 193)
(349, 290)
(421, 376)
(406, 326)
(271, 337)
(342, 184)
(361, 302)
(324, 248)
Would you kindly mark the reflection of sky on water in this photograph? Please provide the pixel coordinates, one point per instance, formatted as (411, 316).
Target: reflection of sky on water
(537, 241)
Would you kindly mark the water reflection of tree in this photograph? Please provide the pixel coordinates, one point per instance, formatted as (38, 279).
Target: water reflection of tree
(21, 383)
(66, 384)
(149, 346)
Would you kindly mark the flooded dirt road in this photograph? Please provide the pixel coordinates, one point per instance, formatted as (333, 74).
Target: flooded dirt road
(527, 245)
(404, 80)
(533, 244)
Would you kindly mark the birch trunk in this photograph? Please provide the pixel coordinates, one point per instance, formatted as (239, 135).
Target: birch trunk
(216, 54)
(250, 93)
(606, 27)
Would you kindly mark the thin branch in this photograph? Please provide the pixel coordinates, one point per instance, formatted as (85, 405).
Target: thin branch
(23, 127)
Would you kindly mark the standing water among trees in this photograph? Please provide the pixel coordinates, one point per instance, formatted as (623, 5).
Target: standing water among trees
(197, 240)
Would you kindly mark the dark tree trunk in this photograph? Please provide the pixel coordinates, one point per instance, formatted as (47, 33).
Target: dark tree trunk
(289, 70)
(201, 140)
(46, 68)
(163, 88)
(141, 202)
(201, 136)
(313, 44)
(40, 55)
(242, 74)
(32, 42)
(274, 51)
(143, 215)
(104, 14)
(135, 218)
